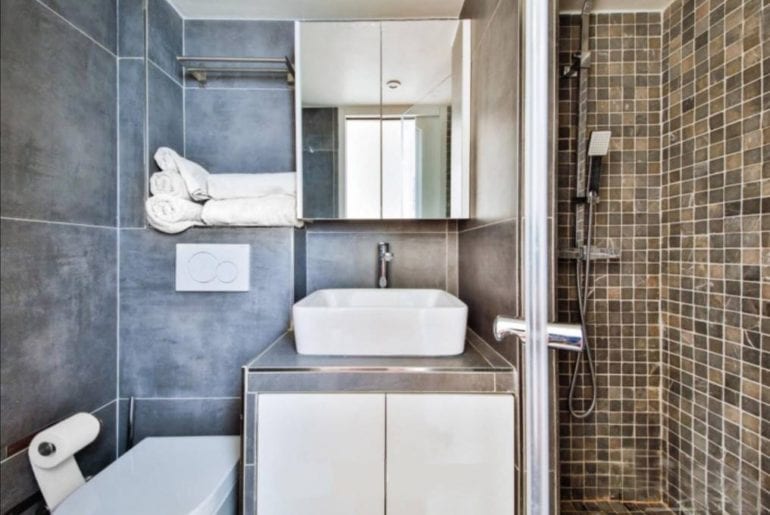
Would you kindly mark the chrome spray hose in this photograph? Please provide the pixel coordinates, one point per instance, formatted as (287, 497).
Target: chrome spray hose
(582, 295)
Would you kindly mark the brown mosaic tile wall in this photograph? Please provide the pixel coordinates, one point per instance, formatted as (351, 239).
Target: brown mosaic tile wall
(615, 453)
(715, 281)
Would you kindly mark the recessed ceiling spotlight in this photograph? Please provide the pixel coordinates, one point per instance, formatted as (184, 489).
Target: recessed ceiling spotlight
(393, 84)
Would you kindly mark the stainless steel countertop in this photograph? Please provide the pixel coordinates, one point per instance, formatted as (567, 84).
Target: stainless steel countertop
(281, 355)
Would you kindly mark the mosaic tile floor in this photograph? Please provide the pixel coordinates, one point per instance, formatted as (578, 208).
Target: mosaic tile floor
(602, 507)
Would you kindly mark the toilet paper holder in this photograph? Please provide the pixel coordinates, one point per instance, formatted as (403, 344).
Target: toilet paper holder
(52, 456)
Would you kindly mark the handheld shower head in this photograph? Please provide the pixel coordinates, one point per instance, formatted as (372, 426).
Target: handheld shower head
(598, 147)
(599, 143)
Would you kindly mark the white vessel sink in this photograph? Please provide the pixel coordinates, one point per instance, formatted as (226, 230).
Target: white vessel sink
(387, 322)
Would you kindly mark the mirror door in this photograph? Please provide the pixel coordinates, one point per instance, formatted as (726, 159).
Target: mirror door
(385, 119)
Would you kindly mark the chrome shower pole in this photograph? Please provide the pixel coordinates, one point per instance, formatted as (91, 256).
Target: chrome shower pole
(537, 66)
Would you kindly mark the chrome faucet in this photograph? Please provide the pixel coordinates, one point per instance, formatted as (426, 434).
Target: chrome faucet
(384, 257)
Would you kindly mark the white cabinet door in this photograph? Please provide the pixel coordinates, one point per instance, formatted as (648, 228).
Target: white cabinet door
(321, 454)
(450, 454)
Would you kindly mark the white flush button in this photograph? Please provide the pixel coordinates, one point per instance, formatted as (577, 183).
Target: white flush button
(202, 267)
(227, 272)
(209, 267)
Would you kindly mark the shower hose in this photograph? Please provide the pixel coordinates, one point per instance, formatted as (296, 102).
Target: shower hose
(582, 277)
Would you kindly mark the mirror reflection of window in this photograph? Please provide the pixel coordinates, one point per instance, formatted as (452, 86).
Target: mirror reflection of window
(362, 168)
(399, 168)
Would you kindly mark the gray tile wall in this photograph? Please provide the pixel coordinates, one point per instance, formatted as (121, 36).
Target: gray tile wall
(133, 181)
(181, 353)
(59, 242)
(615, 452)
(344, 254)
(131, 113)
(165, 112)
(240, 124)
(55, 77)
(165, 36)
(715, 263)
(487, 261)
(176, 345)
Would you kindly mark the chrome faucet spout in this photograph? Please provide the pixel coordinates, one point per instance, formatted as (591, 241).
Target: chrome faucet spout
(384, 257)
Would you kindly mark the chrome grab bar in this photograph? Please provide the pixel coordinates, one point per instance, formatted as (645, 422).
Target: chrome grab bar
(560, 336)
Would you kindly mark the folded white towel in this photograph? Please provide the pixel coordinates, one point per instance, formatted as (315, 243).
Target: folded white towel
(194, 175)
(166, 159)
(172, 214)
(168, 183)
(250, 185)
(268, 211)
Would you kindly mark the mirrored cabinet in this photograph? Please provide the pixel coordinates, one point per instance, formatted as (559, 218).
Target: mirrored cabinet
(383, 117)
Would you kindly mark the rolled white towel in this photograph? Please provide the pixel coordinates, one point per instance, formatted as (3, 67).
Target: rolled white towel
(172, 214)
(194, 175)
(250, 185)
(268, 211)
(166, 159)
(168, 183)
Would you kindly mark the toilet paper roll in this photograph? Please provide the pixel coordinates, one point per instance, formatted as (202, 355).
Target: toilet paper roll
(61, 441)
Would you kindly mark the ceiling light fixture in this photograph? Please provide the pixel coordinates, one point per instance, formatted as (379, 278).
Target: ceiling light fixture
(393, 84)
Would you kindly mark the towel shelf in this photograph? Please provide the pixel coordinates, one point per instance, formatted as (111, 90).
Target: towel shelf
(199, 68)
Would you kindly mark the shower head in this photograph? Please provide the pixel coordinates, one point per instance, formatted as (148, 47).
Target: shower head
(598, 147)
(587, 7)
(599, 143)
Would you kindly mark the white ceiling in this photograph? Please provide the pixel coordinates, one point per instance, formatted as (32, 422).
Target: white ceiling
(318, 9)
(575, 6)
(341, 63)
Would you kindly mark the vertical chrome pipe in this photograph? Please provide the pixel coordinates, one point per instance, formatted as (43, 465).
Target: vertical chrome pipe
(537, 65)
(131, 422)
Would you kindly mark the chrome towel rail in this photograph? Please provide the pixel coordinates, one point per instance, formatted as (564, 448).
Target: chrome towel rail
(200, 67)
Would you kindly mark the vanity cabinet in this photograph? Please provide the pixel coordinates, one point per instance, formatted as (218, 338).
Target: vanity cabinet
(320, 454)
(449, 454)
(400, 454)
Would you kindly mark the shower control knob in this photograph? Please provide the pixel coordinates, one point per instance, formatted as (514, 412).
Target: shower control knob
(46, 448)
(560, 336)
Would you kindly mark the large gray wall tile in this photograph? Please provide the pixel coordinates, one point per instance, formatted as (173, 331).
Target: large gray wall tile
(193, 344)
(165, 113)
(165, 37)
(240, 130)
(17, 482)
(133, 182)
(185, 417)
(239, 38)
(130, 28)
(58, 323)
(97, 18)
(59, 119)
(494, 102)
(349, 260)
(101, 452)
(488, 277)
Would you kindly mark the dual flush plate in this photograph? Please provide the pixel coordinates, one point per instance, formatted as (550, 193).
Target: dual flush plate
(208, 267)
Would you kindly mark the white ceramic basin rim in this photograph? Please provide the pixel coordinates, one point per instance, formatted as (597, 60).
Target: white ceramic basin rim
(380, 322)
